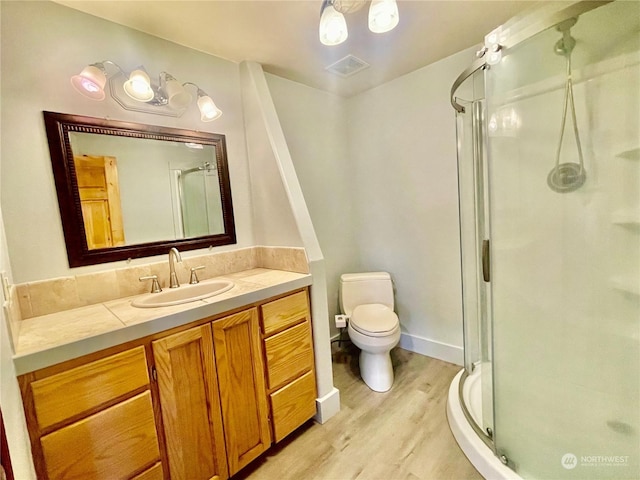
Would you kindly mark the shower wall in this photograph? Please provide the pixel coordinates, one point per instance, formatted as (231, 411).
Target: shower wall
(566, 266)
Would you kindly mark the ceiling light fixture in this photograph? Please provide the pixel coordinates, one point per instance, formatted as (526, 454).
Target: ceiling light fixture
(136, 92)
(333, 26)
(383, 17)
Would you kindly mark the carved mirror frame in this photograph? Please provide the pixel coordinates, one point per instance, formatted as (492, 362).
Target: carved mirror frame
(58, 126)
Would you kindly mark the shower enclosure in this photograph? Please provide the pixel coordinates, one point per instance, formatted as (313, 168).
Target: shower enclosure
(548, 124)
(197, 201)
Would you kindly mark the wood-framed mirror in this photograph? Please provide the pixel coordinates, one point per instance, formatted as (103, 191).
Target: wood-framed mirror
(128, 190)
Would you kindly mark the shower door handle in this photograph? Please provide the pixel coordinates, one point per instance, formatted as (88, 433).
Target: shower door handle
(486, 261)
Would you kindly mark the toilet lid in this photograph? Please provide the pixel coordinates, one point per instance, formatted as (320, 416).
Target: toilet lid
(374, 319)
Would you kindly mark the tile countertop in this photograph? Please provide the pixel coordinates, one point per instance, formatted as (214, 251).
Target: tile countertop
(50, 339)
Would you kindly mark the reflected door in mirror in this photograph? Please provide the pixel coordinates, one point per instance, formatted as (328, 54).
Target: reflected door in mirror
(99, 190)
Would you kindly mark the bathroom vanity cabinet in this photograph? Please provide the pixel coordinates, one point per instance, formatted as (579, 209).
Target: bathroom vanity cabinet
(190, 404)
(93, 419)
(200, 401)
(288, 347)
(238, 352)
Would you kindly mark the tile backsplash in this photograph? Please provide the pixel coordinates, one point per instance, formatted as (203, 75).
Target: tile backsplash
(65, 293)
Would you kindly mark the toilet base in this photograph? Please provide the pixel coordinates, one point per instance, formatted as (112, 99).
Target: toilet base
(376, 370)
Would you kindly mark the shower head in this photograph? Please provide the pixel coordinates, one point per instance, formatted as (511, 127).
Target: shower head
(566, 177)
(570, 176)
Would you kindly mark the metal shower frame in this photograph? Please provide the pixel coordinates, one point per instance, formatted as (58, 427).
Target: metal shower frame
(532, 21)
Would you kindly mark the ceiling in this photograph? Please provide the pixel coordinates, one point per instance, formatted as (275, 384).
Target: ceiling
(283, 35)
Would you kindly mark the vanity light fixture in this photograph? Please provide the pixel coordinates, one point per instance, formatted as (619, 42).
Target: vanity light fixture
(90, 82)
(138, 86)
(383, 17)
(135, 91)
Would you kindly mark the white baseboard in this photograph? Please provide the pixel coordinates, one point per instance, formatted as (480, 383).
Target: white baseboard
(327, 406)
(432, 348)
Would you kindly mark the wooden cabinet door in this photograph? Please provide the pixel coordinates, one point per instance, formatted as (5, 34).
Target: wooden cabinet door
(190, 405)
(238, 350)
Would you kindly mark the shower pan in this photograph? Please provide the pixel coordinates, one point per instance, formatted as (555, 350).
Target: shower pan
(548, 138)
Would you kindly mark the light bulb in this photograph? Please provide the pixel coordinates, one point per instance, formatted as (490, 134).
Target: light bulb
(138, 86)
(208, 109)
(90, 82)
(383, 15)
(333, 27)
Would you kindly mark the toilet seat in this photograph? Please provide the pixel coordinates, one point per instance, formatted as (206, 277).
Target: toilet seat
(374, 320)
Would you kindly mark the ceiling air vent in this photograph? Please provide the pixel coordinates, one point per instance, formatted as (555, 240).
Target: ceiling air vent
(347, 66)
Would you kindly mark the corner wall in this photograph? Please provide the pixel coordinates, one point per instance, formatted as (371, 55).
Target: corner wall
(10, 397)
(379, 174)
(269, 157)
(315, 126)
(403, 145)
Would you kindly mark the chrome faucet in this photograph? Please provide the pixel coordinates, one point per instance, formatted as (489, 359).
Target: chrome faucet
(173, 278)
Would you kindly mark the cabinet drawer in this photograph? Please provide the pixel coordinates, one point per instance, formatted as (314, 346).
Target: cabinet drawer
(289, 354)
(113, 443)
(86, 387)
(154, 473)
(293, 405)
(284, 312)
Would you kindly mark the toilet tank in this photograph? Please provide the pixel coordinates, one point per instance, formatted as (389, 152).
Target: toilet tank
(362, 288)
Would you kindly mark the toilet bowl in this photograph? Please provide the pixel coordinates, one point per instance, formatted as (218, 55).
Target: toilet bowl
(367, 299)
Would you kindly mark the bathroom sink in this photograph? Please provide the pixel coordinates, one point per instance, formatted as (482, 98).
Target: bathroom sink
(183, 294)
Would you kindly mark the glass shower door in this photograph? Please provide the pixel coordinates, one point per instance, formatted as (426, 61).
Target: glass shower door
(476, 389)
(565, 264)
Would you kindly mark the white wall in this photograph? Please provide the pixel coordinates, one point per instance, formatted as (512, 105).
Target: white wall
(10, 398)
(43, 44)
(315, 125)
(379, 175)
(403, 147)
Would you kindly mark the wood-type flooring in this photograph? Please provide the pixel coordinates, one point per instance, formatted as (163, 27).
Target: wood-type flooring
(397, 435)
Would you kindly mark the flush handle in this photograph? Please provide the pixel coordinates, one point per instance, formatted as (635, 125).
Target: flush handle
(486, 261)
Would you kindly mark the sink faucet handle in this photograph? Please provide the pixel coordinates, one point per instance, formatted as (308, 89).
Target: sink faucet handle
(155, 286)
(194, 278)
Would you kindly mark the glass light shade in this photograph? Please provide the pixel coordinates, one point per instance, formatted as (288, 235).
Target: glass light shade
(208, 109)
(90, 82)
(177, 96)
(333, 27)
(138, 86)
(383, 15)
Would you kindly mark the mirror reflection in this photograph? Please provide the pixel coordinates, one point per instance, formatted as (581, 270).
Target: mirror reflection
(128, 190)
(137, 190)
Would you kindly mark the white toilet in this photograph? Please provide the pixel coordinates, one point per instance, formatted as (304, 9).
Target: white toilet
(367, 298)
